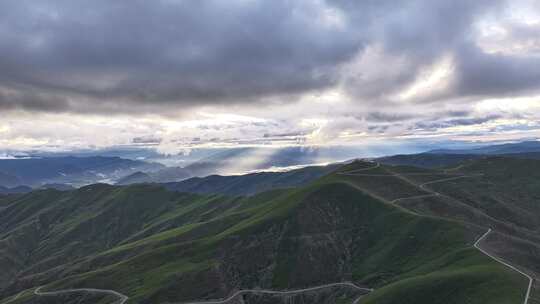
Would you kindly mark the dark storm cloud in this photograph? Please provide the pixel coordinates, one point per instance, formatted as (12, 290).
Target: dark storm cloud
(446, 28)
(496, 74)
(419, 32)
(140, 56)
(22, 97)
(170, 51)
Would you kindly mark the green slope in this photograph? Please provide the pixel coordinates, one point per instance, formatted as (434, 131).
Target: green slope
(158, 246)
(477, 284)
(498, 192)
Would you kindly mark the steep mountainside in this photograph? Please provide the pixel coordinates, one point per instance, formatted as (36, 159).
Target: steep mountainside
(157, 246)
(497, 192)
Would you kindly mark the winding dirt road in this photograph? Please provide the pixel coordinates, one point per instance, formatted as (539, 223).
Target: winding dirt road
(121, 297)
(477, 246)
(288, 292)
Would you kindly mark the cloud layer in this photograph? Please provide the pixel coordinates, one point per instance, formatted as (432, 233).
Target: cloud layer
(307, 71)
(87, 56)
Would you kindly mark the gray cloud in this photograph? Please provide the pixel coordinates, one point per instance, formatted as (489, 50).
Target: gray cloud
(441, 124)
(154, 56)
(180, 52)
(387, 117)
(496, 74)
(412, 36)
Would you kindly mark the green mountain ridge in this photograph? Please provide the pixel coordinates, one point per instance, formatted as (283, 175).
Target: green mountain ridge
(158, 246)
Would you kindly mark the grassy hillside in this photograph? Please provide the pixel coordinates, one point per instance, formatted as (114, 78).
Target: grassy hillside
(158, 246)
(497, 192)
(508, 191)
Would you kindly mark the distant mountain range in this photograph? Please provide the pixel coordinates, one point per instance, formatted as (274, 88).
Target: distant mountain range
(250, 184)
(240, 161)
(428, 160)
(15, 190)
(71, 171)
(26, 189)
(8, 180)
(445, 157)
(66, 172)
(510, 148)
(74, 171)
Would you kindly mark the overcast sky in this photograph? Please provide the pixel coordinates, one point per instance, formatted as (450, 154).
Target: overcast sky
(178, 74)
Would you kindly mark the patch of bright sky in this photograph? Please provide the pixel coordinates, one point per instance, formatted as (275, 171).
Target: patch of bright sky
(333, 17)
(316, 136)
(434, 79)
(526, 11)
(207, 119)
(252, 159)
(494, 33)
(516, 105)
(4, 128)
(331, 97)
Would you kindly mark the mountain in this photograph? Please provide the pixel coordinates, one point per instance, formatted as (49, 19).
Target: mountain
(170, 174)
(8, 180)
(247, 184)
(500, 192)
(250, 184)
(15, 190)
(60, 187)
(433, 160)
(75, 171)
(241, 160)
(245, 160)
(496, 191)
(448, 157)
(428, 160)
(371, 225)
(510, 148)
(135, 178)
(128, 152)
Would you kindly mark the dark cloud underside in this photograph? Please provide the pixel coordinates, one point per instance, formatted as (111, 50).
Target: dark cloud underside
(186, 52)
(130, 56)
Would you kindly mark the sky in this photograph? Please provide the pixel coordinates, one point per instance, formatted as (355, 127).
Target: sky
(177, 75)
